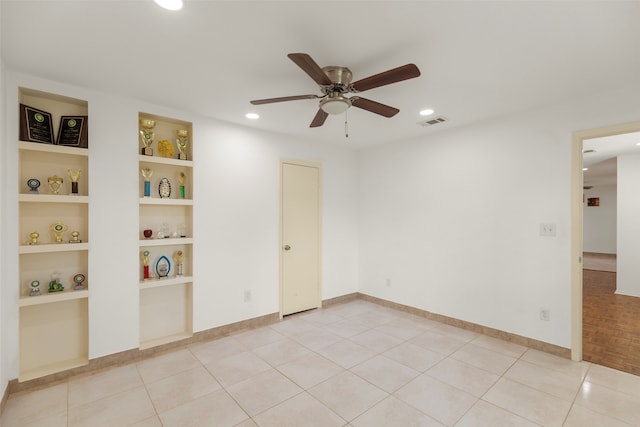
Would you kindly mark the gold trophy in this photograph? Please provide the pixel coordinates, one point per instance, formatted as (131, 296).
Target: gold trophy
(75, 237)
(145, 265)
(182, 143)
(74, 176)
(33, 238)
(55, 184)
(146, 136)
(178, 256)
(58, 230)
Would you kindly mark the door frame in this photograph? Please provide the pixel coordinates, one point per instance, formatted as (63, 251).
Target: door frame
(577, 224)
(318, 166)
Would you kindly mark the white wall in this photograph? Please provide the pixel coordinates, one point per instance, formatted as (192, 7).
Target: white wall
(599, 222)
(236, 217)
(4, 370)
(451, 220)
(628, 267)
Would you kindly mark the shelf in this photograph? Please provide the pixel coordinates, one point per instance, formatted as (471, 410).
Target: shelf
(52, 247)
(51, 148)
(52, 369)
(166, 242)
(160, 283)
(165, 161)
(47, 297)
(165, 202)
(52, 198)
(165, 340)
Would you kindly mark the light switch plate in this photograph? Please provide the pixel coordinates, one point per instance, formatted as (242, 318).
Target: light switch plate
(548, 229)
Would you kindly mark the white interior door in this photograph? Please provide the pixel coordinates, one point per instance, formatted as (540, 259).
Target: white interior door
(300, 237)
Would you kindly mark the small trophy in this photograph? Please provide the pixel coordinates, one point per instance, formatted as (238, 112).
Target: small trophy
(74, 237)
(74, 176)
(79, 279)
(165, 149)
(55, 184)
(164, 188)
(33, 184)
(147, 173)
(182, 143)
(35, 288)
(182, 230)
(178, 257)
(33, 237)
(163, 267)
(182, 179)
(145, 265)
(58, 230)
(54, 284)
(146, 136)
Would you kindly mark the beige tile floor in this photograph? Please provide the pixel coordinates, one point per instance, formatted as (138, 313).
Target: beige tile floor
(356, 364)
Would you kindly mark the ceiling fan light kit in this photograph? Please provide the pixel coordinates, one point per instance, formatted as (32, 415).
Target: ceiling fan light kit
(335, 82)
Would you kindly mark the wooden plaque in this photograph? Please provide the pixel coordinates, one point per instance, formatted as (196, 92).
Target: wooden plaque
(73, 131)
(35, 125)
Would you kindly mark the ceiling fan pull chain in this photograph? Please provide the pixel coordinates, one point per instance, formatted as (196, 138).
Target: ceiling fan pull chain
(346, 125)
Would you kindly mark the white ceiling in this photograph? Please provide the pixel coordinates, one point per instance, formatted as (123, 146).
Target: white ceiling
(478, 59)
(602, 162)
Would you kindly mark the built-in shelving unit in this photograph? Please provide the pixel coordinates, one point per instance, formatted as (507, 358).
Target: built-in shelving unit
(166, 302)
(53, 326)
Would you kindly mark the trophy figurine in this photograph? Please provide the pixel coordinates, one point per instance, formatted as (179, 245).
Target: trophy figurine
(35, 288)
(165, 149)
(74, 237)
(146, 136)
(147, 173)
(33, 184)
(79, 279)
(181, 179)
(58, 230)
(182, 143)
(33, 237)
(164, 189)
(55, 184)
(54, 284)
(178, 256)
(74, 176)
(145, 265)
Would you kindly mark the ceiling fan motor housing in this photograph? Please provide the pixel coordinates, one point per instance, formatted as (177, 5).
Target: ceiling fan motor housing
(341, 78)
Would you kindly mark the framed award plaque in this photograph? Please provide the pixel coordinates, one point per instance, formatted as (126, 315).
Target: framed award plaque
(35, 125)
(73, 131)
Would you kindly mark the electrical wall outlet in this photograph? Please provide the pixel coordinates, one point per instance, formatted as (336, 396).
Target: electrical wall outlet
(247, 295)
(545, 314)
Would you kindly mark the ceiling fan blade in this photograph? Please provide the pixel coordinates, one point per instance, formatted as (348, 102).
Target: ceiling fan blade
(283, 99)
(399, 74)
(310, 67)
(319, 119)
(373, 106)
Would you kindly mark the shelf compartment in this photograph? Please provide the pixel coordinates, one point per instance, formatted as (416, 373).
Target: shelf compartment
(52, 198)
(52, 247)
(47, 298)
(165, 202)
(164, 161)
(170, 281)
(53, 149)
(53, 338)
(166, 242)
(165, 314)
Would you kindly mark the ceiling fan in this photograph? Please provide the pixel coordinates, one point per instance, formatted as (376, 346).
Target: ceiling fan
(335, 83)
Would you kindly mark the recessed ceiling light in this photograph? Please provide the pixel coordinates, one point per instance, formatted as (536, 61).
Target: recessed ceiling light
(252, 116)
(427, 112)
(638, 143)
(169, 4)
(585, 169)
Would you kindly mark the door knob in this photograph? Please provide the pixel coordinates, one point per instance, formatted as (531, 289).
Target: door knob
(287, 247)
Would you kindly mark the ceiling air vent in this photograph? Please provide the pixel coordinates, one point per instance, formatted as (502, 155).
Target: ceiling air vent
(433, 121)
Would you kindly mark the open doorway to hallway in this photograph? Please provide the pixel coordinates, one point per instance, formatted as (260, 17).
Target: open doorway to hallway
(611, 303)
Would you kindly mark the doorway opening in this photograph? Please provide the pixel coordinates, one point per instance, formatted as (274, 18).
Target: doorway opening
(601, 330)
